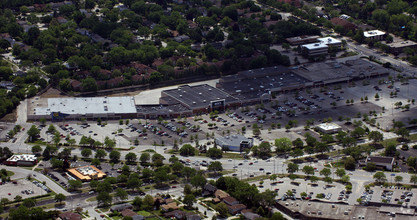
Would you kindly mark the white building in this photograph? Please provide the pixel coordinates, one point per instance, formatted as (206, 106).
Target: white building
(330, 41)
(83, 107)
(234, 143)
(374, 35)
(383, 162)
(329, 128)
(22, 160)
(315, 49)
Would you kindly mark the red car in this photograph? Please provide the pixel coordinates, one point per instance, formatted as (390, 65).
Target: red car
(173, 187)
(250, 163)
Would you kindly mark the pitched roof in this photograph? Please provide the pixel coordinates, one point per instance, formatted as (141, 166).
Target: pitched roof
(221, 194)
(128, 212)
(70, 216)
(229, 199)
(121, 207)
(344, 23)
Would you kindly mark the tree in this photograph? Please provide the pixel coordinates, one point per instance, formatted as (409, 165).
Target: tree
(345, 178)
(349, 163)
(130, 157)
(187, 150)
(4, 201)
(198, 181)
(375, 136)
(264, 149)
(390, 150)
(398, 179)
(36, 149)
(148, 202)
(283, 145)
(321, 147)
(292, 168)
(413, 179)
(100, 154)
(20, 213)
(109, 143)
(86, 152)
(51, 129)
(214, 152)
(137, 203)
(56, 138)
(121, 194)
(277, 216)
(222, 209)
(403, 132)
(33, 133)
(89, 84)
(380, 177)
(340, 172)
(134, 183)
(74, 185)
(296, 152)
(104, 199)
(60, 197)
(189, 200)
(215, 167)
(308, 170)
(114, 156)
(145, 157)
(187, 172)
(325, 172)
(29, 202)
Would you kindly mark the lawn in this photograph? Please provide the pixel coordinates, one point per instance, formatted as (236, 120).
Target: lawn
(144, 213)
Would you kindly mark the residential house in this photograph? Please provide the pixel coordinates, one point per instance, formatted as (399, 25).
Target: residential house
(61, 20)
(20, 73)
(182, 215)
(157, 63)
(131, 214)
(230, 201)
(70, 216)
(221, 194)
(105, 74)
(235, 209)
(76, 85)
(170, 206)
(121, 207)
(209, 190)
(7, 85)
(251, 215)
(181, 38)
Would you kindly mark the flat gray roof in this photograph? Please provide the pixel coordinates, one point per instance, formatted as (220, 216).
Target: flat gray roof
(338, 71)
(233, 140)
(253, 83)
(198, 96)
(87, 105)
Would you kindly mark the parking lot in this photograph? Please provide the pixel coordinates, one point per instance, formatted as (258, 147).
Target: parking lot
(23, 188)
(392, 195)
(283, 185)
